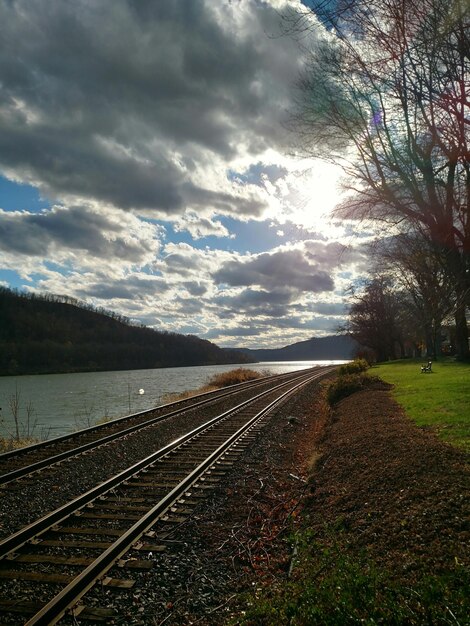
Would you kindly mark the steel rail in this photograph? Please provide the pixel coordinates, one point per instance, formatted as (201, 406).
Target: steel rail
(61, 456)
(54, 610)
(42, 525)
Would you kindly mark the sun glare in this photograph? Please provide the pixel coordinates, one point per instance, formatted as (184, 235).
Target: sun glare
(318, 194)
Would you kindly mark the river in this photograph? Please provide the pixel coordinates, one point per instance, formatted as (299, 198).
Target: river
(56, 404)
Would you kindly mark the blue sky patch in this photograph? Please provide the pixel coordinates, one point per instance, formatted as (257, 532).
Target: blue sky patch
(11, 279)
(254, 174)
(19, 197)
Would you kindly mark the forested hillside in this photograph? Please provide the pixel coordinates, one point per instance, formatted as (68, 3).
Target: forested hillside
(46, 334)
(315, 349)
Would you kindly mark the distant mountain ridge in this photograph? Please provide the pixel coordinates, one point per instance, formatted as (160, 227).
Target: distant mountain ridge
(52, 334)
(335, 347)
(44, 334)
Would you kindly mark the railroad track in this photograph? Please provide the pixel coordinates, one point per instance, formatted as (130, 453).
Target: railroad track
(101, 531)
(21, 463)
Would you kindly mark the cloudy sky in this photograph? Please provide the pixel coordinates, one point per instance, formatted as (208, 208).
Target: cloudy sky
(146, 166)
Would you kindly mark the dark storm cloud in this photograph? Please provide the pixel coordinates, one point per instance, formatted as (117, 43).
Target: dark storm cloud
(132, 288)
(119, 100)
(281, 330)
(236, 331)
(180, 264)
(75, 228)
(250, 298)
(337, 255)
(187, 306)
(258, 303)
(108, 292)
(286, 268)
(195, 289)
(71, 163)
(324, 253)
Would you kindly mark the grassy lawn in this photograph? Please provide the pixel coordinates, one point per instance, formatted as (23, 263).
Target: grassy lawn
(338, 578)
(440, 399)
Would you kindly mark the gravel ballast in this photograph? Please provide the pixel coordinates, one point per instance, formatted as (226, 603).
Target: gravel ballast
(396, 489)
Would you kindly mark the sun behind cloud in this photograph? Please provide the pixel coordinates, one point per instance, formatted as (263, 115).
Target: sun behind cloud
(159, 151)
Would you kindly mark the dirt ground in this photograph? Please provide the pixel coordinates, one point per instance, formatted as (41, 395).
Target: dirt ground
(364, 469)
(395, 487)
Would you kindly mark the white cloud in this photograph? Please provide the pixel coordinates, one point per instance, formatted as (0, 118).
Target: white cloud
(124, 113)
(143, 105)
(200, 227)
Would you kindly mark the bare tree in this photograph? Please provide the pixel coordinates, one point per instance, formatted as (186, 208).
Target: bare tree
(386, 96)
(375, 319)
(414, 262)
(14, 402)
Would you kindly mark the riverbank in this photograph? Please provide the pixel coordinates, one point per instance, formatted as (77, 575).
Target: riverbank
(63, 403)
(217, 381)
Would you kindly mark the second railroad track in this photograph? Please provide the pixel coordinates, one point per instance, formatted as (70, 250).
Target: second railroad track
(101, 536)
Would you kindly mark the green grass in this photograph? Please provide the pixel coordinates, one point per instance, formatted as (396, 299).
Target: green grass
(333, 586)
(346, 384)
(440, 399)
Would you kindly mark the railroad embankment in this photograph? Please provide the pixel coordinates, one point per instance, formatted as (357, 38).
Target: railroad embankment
(384, 534)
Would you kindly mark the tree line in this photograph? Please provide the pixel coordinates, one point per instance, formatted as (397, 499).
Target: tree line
(386, 95)
(43, 333)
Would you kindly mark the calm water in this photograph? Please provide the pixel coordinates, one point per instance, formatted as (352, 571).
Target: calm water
(61, 403)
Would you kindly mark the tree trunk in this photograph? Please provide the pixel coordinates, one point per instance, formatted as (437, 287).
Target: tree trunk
(461, 334)
(429, 341)
(437, 338)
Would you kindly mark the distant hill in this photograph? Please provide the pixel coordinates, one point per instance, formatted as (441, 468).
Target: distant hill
(338, 347)
(51, 334)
